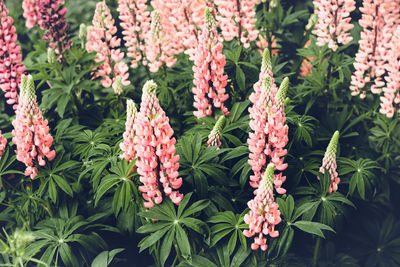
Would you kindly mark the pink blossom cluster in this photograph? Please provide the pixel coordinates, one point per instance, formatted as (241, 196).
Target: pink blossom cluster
(267, 120)
(264, 213)
(51, 18)
(31, 131)
(187, 16)
(391, 92)
(333, 23)
(3, 143)
(135, 22)
(379, 20)
(11, 67)
(329, 162)
(236, 19)
(161, 42)
(101, 39)
(31, 13)
(262, 44)
(214, 138)
(155, 149)
(128, 146)
(209, 79)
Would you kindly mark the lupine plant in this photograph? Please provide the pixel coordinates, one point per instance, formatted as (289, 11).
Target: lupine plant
(191, 133)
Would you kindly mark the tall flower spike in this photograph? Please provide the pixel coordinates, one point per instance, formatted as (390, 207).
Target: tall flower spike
(3, 143)
(391, 96)
(161, 41)
(156, 160)
(51, 19)
(214, 138)
(277, 132)
(378, 20)
(31, 131)
(262, 97)
(329, 162)
(264, 213)
(333, 22)
(128, 145)
(209, 79)
(101, 39)
(236, 19)
(31, 12)
(11, 67)
(135, 22)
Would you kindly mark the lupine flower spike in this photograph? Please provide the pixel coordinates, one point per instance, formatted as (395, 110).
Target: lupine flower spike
(329, 162)
(127, 146)
(209, 79)
(161, 44)
(214, 138)
(278, 135)
(101, 40)
(31, 131)
(258, 118)
(31, 12)
(236, 19)
(3, 143)
(11, 67)
(51, 19)
(264, 213)
(135, 22)
(378, 20)
(333, 23)
(156, 160)
(391, 96)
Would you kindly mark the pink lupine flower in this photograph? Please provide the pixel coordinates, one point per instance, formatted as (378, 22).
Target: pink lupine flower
(101, 39)
(31, 12)
(3, 143)
(51, 19)
(128, 146)
(31, 131)
(156, 160)
(135, 22)
(264, 214)
(209, 79)
(11, 67)
(161, 42)
(262, 44)
(236, 19)
(267, 120)
(333, 23)
(329, 162)
(378, 20)
(214, 138)
(391, 96)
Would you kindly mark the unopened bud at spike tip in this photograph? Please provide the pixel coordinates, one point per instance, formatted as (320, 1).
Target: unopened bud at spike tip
(150, 87)
(281, 95)
(266, 61)
(51, 55)
(209, 19)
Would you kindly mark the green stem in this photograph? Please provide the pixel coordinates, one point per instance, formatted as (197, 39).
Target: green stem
(178, 255)
(175, 259)
(316, 251)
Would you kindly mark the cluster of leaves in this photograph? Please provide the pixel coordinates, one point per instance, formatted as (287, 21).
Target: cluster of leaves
(85, 209)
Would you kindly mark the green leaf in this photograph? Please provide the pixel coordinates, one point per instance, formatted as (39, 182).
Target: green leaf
(313, 227)
(240, 78)
(52, 190)
(166, 246)
(183, 242)
(63, 184)
(153, 238)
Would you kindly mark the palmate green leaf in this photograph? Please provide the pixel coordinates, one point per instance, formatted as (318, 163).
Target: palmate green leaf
(313, 227)
(63, 184)
(361, 173)
(240, 78)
